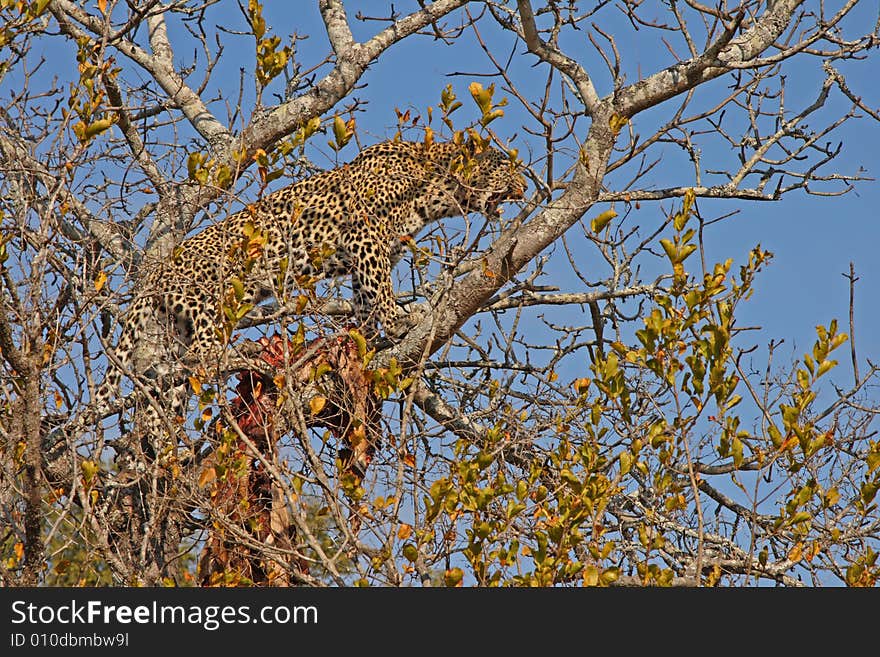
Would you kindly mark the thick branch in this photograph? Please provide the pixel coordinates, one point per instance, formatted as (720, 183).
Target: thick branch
(516, 247)
(338, 29)
(718, 59)
(160, 66)
(529, 298)
(132, 136)
(352, 60)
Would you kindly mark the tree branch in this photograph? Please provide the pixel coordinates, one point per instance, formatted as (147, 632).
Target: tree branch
(721, 57)
(557, 59)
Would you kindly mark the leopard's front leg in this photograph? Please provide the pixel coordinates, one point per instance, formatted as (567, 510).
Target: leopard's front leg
(374, 298)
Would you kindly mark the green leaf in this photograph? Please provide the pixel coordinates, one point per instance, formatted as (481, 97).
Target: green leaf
(243, 310)
(680, 220)
(38, 7)
(359, 340)
(453, 577)
(448, 101)
(488, 117)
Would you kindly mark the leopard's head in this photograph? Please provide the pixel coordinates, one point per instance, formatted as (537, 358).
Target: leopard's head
(442, 178)
(484, 177)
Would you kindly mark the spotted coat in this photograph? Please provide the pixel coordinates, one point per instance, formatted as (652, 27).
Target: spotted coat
(351, 220)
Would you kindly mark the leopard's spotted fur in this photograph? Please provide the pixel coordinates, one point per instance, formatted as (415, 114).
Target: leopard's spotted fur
(354, 216)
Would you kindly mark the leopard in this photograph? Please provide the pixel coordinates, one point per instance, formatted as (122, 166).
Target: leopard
(353, 220)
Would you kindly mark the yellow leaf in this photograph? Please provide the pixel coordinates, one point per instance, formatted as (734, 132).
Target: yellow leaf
(208, 475)
(196, 385)
(591, 576)
(616, 123)
(582, 385)
(79, 129)
(598, 223)
(100, 279)
(453, 577)
(102, 6)
(307, 130)
(357, 436)
(89, 470)
(671, 250)
(826, 366)
(340, 131)
(832, 496)
(19, 550)
(626, 461)
(48, 350)
(404, 531)
(482, 96)
(316, 404)
(96, 128)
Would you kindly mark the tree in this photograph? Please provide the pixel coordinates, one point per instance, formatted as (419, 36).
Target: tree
(576, 402)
